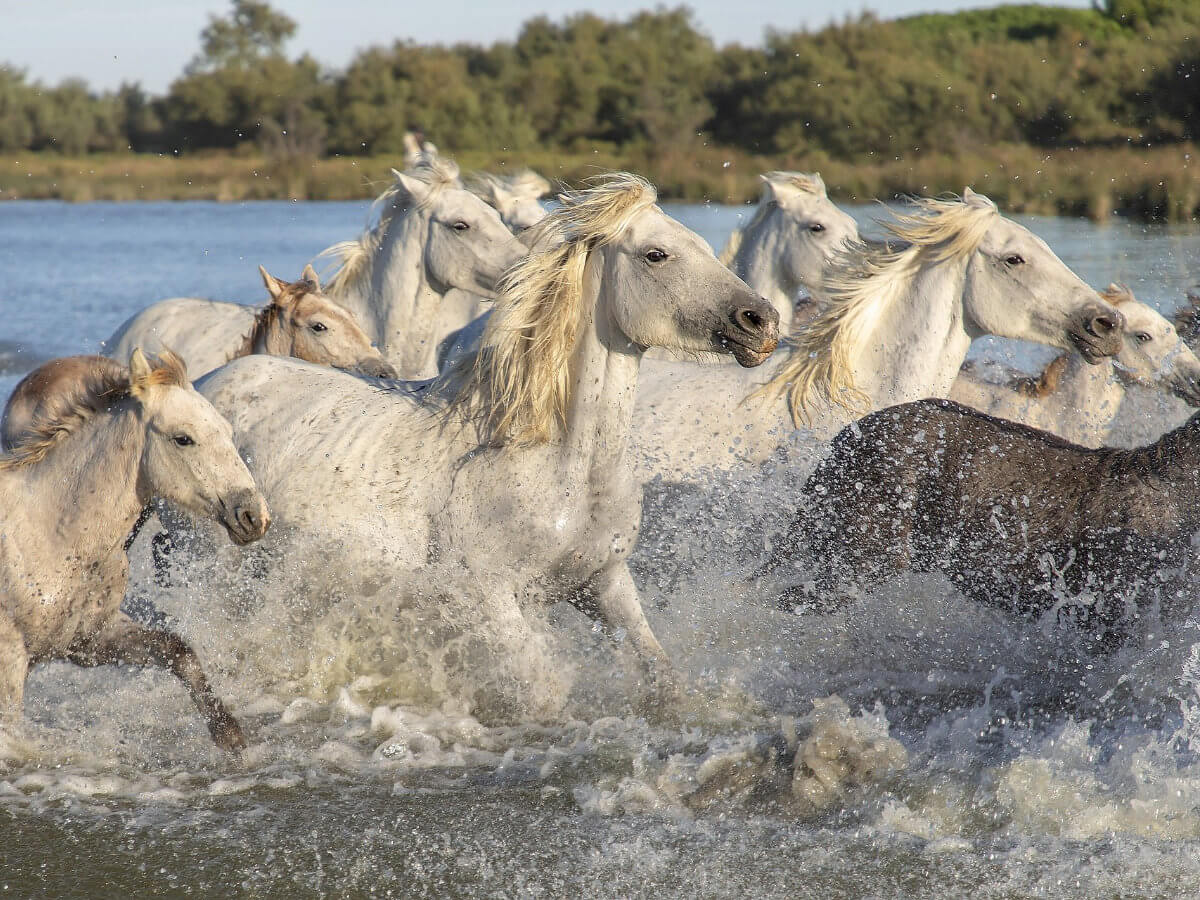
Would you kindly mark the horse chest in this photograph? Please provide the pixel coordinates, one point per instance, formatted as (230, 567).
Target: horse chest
(544, 520)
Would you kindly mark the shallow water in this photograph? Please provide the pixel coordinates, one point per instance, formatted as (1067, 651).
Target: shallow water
(1014, 764)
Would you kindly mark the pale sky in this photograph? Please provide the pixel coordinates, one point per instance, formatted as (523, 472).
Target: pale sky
(110, 41)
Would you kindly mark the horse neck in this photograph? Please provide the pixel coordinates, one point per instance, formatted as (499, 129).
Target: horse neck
(1088, 394)
(97, 474)
(758, 264)
(402, 306)
(918, 341)
(603, 375)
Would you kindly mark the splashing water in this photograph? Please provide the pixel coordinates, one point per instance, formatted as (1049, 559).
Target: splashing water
(435, 737)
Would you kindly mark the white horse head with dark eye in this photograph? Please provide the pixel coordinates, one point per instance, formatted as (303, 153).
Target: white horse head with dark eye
(897, 321)
(787, 245)
(1079, 401)
(433, 236)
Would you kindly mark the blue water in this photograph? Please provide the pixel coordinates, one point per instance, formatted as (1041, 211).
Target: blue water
(73, 273)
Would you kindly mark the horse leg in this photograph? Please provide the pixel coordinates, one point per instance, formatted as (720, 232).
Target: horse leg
(611, 598)
(125, 641)
(14, 667)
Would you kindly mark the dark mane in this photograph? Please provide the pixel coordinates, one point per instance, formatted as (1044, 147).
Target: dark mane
(263, 320)
(65, 404)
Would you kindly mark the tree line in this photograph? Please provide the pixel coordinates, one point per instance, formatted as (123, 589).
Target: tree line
(1122, 72)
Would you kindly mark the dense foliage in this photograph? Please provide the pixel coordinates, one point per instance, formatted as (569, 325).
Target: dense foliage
(1126, 71)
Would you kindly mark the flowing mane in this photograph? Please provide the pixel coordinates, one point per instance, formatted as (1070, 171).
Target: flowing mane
(1044, 384)
(864, 280)
(74, 403)
(353, 258)
(515, 385)
(526, 182)
(263, 320)
(798, 181)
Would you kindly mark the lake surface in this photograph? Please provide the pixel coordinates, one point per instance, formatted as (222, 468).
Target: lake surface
(1027, 771)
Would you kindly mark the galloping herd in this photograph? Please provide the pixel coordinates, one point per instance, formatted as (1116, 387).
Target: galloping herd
(481, 390)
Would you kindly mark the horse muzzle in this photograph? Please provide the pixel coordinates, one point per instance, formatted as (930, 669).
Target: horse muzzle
(750, 333)
(376, 368)
(245, 517)
(1099, 333)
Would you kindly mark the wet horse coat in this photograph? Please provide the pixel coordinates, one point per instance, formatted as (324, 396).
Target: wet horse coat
(1016, 517)
(70, 490)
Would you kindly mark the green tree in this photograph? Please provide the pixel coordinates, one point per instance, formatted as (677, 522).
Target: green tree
(252, 32)
(241, 88)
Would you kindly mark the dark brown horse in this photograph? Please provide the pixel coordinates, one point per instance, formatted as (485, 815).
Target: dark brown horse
(1015, 517)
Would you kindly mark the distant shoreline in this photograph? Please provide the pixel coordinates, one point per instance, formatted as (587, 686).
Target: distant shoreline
(1149, 184)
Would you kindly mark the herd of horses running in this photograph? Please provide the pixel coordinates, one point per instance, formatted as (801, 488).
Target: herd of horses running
(482, 389)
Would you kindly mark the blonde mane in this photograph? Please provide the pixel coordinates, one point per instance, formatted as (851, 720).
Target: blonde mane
(99, 388)
(515, 385)
(353, 258)
(864, 280)
(799, 181)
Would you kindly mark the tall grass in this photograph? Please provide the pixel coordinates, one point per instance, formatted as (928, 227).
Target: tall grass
(1153, 183)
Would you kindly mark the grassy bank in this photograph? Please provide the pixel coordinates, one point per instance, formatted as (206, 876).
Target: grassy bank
(1160, 183)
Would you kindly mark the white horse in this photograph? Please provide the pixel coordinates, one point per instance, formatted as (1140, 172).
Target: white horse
(895, 326)
(1079, 402)
(298, 321)
(511, 467)
(100, 448)
(516, 197)
(782, 252)
(398, 278)
(433, 237)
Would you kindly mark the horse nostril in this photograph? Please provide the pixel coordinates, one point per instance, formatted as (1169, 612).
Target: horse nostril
(1101, 325)
(749, 320)
(249, 520)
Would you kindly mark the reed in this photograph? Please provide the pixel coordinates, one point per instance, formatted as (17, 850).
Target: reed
(1159, 183)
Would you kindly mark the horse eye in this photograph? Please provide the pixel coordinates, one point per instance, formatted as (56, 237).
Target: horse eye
(656, 256)
(816, 227)
(460, 225)
(1142, 337)
(1015, 260)
(183, 440)
(318, 327)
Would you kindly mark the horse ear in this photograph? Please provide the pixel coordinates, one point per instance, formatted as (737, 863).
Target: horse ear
(139, 370)
(414, 187)
(974, 198)
(275, 287)
(310, 275)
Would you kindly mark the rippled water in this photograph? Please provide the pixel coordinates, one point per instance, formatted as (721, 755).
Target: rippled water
(1003, 761)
